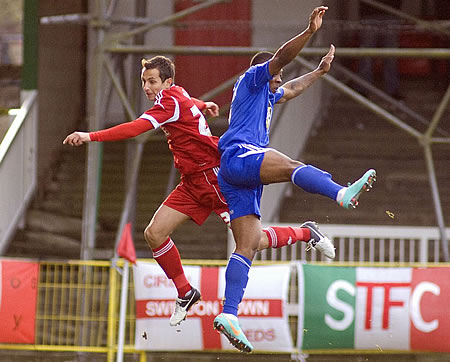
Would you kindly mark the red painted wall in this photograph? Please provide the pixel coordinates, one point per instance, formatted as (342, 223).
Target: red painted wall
(226, 24)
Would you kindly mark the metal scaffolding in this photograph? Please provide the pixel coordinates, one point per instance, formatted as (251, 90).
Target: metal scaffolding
(108, 42)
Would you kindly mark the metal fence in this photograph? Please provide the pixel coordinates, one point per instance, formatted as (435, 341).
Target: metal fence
(78, 304)
(78, 309)
(368, 243)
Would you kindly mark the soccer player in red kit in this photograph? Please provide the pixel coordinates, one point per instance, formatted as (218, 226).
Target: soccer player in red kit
(197, 158)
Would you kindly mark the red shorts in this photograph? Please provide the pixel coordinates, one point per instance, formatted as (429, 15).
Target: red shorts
(197, 195)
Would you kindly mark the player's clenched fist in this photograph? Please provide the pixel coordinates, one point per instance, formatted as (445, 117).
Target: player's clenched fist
(77, 138)
(211, 109)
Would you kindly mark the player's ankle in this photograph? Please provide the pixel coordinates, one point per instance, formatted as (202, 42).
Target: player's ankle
(340, 194)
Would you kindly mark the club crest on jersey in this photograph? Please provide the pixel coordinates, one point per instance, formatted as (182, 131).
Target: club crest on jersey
(268, 117)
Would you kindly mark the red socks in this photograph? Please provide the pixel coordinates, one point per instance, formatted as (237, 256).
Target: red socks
(168, 258)
(282, 236)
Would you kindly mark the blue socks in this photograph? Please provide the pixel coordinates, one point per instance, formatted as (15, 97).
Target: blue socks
(236, 278)
(315, 181)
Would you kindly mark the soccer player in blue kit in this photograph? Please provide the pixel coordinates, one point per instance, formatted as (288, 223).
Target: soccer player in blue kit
(247, 164)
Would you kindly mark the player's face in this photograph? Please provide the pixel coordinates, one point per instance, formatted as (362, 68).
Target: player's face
(276, 81)
(152, 83)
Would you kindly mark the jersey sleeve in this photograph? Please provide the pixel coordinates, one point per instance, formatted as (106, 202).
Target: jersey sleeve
(279, 94)
(258, 75)
(122, 131)
(199, 103)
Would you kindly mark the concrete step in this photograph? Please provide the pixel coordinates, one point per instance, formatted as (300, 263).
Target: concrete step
(60, 213)
(45, 221)
(349, 141)
(44, 245)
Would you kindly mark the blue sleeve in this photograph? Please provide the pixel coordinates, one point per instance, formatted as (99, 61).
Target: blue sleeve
(278, 94)
(257, 76)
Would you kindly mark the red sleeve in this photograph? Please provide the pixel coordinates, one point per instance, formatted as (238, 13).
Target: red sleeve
(122, 131)
(199, 103)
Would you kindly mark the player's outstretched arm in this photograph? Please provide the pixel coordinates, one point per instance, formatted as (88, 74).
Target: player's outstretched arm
(296, 86)
(77, 138)
(289, 50)
(120, 132)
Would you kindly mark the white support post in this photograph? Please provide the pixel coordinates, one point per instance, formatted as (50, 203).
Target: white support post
(423, 250)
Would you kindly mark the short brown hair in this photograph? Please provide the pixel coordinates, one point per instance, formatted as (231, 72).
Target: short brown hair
(261, 57)
(164, 65)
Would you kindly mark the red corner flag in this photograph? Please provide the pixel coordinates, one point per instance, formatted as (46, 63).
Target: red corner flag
(126, 247)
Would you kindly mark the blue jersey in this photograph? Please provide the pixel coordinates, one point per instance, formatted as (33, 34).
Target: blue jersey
(251, 109)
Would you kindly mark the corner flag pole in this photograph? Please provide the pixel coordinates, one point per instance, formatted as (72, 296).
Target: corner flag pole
(123, 310)
(126, 250)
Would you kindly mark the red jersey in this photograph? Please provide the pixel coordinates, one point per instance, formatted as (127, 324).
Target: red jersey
(179, 116)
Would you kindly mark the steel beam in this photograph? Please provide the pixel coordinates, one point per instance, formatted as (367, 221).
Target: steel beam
(422, 23)
(94, 150)
(436, 53)
(118, 37)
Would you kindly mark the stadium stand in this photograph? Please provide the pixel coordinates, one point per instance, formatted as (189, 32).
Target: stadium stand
(351, 139)
(53, 225)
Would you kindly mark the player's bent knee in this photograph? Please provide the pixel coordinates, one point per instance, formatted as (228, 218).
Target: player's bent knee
(153, 238)
(287, 167)
(293, 164)
(247, 249)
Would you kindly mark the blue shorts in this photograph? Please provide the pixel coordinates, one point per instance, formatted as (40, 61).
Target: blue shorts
(239, 179)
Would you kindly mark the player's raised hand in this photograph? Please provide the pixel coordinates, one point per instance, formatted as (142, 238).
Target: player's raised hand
(315, 19)
(212, 109)
(325, 63)
(77, 138)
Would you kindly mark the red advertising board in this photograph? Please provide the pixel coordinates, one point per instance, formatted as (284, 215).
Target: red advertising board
(18, 294)
(430, 320)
